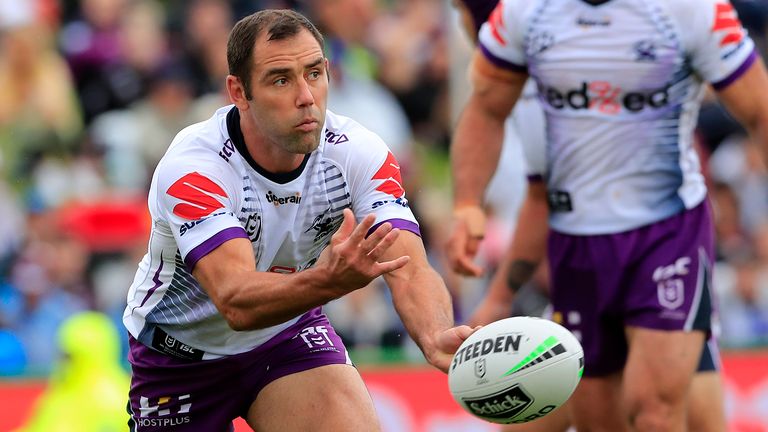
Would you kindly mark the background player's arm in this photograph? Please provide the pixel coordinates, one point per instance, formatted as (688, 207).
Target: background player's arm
(475, 154)
(250, 300)
(747, 100)
(525, 252)
(423, 303)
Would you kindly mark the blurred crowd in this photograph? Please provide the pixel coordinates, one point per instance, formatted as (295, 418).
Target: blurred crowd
(93, 91)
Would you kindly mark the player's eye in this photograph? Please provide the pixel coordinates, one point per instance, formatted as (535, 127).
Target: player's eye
(280, 82)
(313, 75)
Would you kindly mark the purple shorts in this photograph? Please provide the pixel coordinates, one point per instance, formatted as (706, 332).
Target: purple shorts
(657, 277)
(169, 393)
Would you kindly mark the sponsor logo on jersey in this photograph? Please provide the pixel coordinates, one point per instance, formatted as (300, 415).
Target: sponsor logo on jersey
(390, 173)
(278, 201)
(605, 97)
(727, 23)
(227, 150)
(483, 347)
(186, 226)
(200, 196)
(504, 404)
(334, 138)
(402, 202)
(593, 21)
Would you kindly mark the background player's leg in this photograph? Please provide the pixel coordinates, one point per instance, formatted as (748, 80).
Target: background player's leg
(329, 398)
(658, 376)
(596, 405)
(705, 403)
(706, 410)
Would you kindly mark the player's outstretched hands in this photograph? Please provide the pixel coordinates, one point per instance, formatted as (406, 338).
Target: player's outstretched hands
(352, 260)
(467, 232)
(446, 345)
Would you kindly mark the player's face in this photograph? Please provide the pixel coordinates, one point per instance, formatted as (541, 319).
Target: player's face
(289, 89)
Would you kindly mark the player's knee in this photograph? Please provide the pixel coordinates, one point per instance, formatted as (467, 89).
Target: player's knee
(656, 410)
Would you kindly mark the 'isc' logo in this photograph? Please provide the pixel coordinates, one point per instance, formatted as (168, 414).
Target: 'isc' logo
(605, 97)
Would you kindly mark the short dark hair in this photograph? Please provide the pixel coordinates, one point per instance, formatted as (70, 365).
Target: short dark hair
(277, 23)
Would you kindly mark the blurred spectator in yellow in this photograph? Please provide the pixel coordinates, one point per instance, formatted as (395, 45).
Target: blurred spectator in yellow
(38, 105)
(87, 391)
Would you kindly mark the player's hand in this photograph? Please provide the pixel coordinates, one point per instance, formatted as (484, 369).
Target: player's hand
(467, 232)
(352, 260)
(446, 344)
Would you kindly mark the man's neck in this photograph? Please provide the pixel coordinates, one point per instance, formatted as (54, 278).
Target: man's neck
(268, 155)
(280, 168)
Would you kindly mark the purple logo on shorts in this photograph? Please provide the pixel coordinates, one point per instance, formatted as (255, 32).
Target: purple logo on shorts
(316, 337)
(670, 287)
(670, 293)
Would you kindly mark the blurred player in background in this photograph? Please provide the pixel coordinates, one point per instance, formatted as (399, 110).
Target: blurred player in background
(631, 244)
(262, 214)
(528, 249)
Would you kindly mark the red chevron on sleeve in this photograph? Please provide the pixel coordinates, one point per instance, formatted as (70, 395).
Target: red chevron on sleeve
(390, 173)
(199, 194)
(728, 22)
(496, 20)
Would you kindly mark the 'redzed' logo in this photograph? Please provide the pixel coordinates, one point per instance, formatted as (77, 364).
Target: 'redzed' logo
(199, 195)
(390, 173)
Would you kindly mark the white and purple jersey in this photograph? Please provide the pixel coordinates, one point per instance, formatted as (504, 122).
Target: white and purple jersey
(620, 83)
(207, 190)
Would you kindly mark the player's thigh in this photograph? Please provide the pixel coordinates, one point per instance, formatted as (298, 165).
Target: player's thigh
(660, 366)
(596, 405)
(556, 421)
(706, 412)
(330, 398)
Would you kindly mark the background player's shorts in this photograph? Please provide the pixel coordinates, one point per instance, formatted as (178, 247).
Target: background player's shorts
(168, 393)
(657, 277)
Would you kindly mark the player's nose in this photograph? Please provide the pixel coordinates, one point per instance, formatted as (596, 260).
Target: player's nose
(305, 96)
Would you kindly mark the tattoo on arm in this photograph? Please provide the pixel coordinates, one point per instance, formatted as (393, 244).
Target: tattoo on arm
(520, 271)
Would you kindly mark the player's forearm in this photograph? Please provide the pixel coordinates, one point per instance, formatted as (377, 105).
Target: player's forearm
(424, 306)
(255, 300)
(475, 152)
(528, 245)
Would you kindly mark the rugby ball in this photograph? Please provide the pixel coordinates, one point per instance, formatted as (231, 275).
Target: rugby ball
(516, 369)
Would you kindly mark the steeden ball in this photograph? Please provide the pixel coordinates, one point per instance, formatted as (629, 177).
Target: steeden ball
(516, 369)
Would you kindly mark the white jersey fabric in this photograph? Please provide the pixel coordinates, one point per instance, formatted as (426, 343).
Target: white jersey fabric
(207, 190)
(524, 142)
(620, 83)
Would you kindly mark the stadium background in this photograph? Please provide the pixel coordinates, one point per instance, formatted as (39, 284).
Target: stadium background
(92, 91)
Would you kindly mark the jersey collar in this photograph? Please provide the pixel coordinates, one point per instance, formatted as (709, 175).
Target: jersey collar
(236, 135)
(595, 2)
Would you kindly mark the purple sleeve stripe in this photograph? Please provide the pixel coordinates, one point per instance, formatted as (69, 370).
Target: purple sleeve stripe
(535, 178)
(212, 243)
(737, 73)
(399, 224)
(501, 62)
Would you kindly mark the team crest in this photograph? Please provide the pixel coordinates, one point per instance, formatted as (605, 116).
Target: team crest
(670, 293)
(480, 368)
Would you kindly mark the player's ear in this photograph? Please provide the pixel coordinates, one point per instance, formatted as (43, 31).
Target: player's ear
(237, 92)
